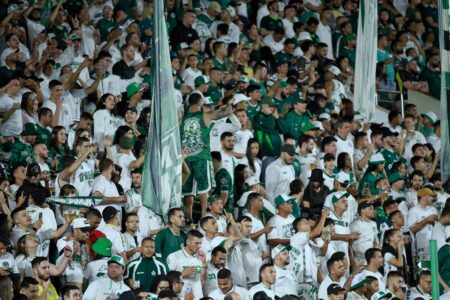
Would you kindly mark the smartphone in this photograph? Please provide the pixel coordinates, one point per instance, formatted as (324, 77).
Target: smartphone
(40, 215)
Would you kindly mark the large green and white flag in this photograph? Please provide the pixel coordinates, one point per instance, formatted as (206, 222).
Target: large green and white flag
(366, 59)
(161, 176)
(444, 45)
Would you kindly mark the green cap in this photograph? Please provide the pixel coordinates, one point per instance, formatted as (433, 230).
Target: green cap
(349, 37)
(134, 88)
(268, 100)
(29, 129)
(381, 295)
(75, 37)
(243, 78)
(281, 199)
(117, 260)
(201, 80)
(338, 196)
(126, 143)
(207, 101)
(395, 177)
(102, 246)
(296, 99)
(308, 127)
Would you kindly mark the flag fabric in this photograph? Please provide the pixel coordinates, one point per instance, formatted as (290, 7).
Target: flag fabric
(366, 59)
(444, 45)
(161, 175)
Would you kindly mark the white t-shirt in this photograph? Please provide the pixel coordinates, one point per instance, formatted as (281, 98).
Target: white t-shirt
(241, 138)
(124, 160)
(257, 225)
(180, 260)
(118, 240)
(13, 126)
(107, 189)
(218, 295)
(368, 234)
(83, 178)
(377, 275)
(252, 260)
(423, 236)
(148, 220)
(105, 123)
(103, 288)
(96, 269)
(285, 283)
(283, 227)
(189, 76)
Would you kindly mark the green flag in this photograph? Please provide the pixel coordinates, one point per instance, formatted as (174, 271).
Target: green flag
(366, 59)
(161, 175)
(444, 43)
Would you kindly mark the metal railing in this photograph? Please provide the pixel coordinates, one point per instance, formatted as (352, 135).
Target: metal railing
(392, 100)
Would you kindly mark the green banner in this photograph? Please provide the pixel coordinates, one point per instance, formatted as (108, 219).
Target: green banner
(161, 174)
(76, 201)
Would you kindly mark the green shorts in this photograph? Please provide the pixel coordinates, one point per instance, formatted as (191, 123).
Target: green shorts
(201, 178)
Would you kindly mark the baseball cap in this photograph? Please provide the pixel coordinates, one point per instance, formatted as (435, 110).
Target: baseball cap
(199, 80)
(237, 98)
(349, 37)
(102, 246)
(109, 212)
(376, 159)
(390, 201)
(277, 250)
(342, 178)
(252, 180)
(338, 196)
(358, 281)
(334, 288)
(134, 88)
(289, 149)
(380, 295)
(324, 116)
(182, 46)
(363, 205)
(387, 132)
(430, 116)
(425, 192)
(208, 100)
(268, 100)
(75, 37)
(132, 108)
(334, 70)
(243, 78)
(318, 125)
(80, 223)
(117, 260)
(29, 129)
(281, 199)
(126, 143)
(303, 36)
(395, 177)
(33, 169)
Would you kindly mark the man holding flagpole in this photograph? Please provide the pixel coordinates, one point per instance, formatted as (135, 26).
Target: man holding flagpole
(194, 132)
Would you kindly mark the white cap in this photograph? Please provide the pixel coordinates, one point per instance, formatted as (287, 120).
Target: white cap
(318, 124)
(377, 158)
(431, 116)
(342, 177)
(252, 180)
(240, 98)
(324, 116)
(358, 116)
(335, 70)
(80, 223)
(277, 250)
(303, 36)
(358, 281)
(231, 11)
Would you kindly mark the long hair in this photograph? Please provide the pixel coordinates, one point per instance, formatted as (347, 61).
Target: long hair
(101, 103)
(120, 132)
(251, 160)
(54, 141)
(239, 180)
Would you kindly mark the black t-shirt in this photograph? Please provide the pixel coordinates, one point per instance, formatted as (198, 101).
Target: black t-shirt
(123, 70)
(182, 34)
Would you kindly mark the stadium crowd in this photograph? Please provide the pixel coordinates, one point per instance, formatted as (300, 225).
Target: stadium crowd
(289, 193)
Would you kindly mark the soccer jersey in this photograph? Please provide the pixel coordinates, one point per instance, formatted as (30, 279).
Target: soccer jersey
(283, 227)
(96, 269)
(144, 271)
(83, 178)
(166, 242)
(103, 288)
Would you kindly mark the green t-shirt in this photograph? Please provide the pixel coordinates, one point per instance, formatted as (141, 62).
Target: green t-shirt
(293, 122)
(224, 183)
(104, 25)
(215, 92)
(369, 179)
(390, 158)
(433, 79)
(43, 135)
(195, 137)
(270, 23)
(166, 243)
(20, 152)
(205, 19)
(267, 132)
(252, 110)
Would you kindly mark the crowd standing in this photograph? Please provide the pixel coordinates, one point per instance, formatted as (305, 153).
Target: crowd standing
(288, 192)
